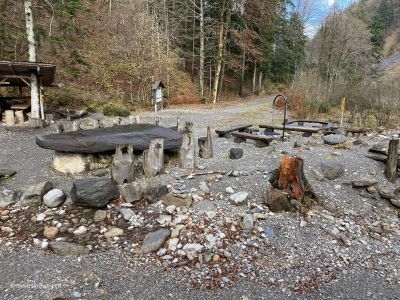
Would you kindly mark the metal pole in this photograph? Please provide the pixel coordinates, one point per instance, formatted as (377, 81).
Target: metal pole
(284, 113)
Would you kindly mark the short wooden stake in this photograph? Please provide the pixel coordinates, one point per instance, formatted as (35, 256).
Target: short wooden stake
(19, 116)
(187, 150)
(391, 163)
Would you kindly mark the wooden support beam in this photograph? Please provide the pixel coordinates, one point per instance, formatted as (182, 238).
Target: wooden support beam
(123, 165)
(10, 119)
(187, 150)
(391, 163)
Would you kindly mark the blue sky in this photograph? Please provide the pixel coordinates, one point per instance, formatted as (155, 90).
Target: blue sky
(320, 11)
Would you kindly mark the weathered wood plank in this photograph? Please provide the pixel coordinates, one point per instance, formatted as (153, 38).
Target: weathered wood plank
(223, 132)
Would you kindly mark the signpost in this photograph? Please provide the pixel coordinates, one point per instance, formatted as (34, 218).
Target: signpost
(342, 108)
(157, 88)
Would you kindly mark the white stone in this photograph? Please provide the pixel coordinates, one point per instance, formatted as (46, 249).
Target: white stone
(239, 198)
(80, 231)
(229, 190)
(54, 198)
(113, 232)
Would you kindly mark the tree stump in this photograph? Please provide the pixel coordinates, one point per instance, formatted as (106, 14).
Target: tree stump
(391, 162)
(123, 169)
(187, 150)
(205, 145)
(153, 158)
(290, 177)
(10, 119)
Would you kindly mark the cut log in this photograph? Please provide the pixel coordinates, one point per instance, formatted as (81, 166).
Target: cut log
(391, 163)
(290, 177)
(153, 158)
(123, 167)
(187, 150)
(205, 145)
(10, 119)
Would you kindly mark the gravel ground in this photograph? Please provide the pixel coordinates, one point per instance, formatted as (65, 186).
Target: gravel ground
(345, 247)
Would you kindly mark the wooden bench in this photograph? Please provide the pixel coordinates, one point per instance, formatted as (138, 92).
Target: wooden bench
(226, 132)
(293, 128)
(261, 140)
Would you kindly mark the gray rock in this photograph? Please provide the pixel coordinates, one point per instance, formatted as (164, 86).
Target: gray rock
(113, 232)
(170, 199)
(4, 173)
(239, 198)
(126, 213)
(247, 222)
(332, 170)
(100, 215)
(334, 139)
(204, 206)
(362, 183)
(395, 202)
(131, 192)
(154, 240)
(33, 196)
(385, 194)
(54, 198)
(93, 192)
(236, 153)
(277, 201)
(66, 248)
(88, 123)
(297, 144)
(358, 142)
(155, 192)
(8, 197)
(203, 186)
(317, 174)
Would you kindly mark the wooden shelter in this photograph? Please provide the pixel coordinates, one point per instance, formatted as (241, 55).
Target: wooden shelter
(18, 74)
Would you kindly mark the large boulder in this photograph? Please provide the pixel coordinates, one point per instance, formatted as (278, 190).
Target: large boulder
(131, 192)
(335, 139)
(332, 170)
(33, 196)
(155, 192)
(93, 192)
(238, 198)
(277, 201)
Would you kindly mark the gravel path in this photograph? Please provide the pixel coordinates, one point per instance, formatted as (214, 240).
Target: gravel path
(346, 247)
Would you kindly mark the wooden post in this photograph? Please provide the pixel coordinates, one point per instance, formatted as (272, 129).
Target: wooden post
(10, 119)
(205, 145)
(157, 121)
(391, 163)
(19, 116)
(187, 150)
(153, 158)
(122, 167)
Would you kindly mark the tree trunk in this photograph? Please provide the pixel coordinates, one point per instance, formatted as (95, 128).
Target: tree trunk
(225, 18)
(254, 78)
(241, 91)
(391, 163)
(32, 58)
(260, 77)
(202, 55)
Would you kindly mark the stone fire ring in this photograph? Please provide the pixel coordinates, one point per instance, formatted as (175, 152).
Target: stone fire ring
(104, 140)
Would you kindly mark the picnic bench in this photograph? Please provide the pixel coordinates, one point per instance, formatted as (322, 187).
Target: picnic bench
(309, 130)
(227, 131)
(261, 140)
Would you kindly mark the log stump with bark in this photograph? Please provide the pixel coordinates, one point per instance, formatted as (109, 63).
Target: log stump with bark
(290, 178)
(123, 166)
